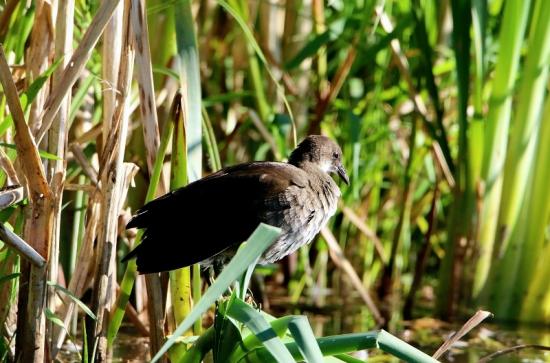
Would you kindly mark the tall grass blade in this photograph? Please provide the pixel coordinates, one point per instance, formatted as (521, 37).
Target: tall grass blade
(511, 36)
(190, 85)
(180, 279)
(74, 298)
(305, 340)
(534, 267)
(189, 72)
(344, 343)
(202, 346)
(246, 314)
(518, 199)
(258, 242)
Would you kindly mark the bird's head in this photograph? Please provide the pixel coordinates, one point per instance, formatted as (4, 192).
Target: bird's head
(323, 152)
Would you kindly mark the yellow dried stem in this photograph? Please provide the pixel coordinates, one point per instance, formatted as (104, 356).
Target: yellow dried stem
(76, 64)
(147, 104)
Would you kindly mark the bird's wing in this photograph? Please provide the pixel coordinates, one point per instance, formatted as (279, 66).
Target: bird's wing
(210, 215)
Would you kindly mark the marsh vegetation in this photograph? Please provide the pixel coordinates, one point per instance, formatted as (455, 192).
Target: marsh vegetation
(442, 112)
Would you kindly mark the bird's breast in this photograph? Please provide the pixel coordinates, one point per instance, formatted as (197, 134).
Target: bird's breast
(308, 211)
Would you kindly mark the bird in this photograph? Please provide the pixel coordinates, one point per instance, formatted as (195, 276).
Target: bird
(205, 221)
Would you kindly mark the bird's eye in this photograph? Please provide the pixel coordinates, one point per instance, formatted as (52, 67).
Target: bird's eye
(335, 155)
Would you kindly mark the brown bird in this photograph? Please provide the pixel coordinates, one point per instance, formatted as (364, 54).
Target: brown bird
(206, 220)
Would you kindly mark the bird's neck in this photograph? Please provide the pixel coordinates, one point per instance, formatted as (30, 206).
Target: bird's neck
(309, 166)
(321, 179)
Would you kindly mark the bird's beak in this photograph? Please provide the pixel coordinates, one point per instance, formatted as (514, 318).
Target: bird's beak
(342, 173)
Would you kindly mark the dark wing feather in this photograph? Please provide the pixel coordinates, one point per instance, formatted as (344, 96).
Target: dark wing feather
(210, 215)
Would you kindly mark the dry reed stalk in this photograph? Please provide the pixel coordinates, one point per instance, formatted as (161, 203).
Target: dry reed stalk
(140, 295)
(111, 177)
(129, 171)
(57, 134)
(110, 58)
(134, 317)
(89, 136)
(156, 313)
(27, 150)
(88, 188)
(474, 321)
(37, 58)
(7, 166)
(82, 273)
(76, 64)
(8, 310)
(38, 227)
(22, 299)
(147, 104)
(148, 111)
(367, 231)
(57, 145)
(33, 341)
(337, 256)
(80, 158)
